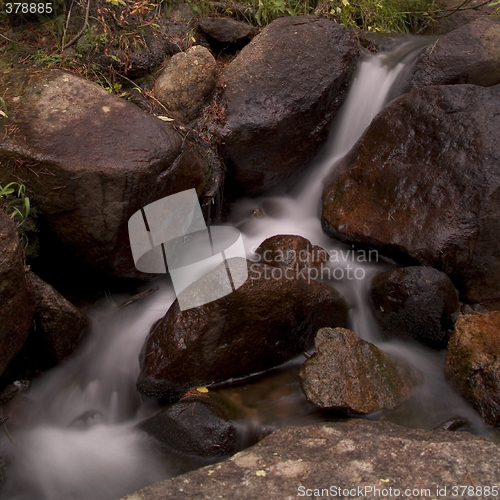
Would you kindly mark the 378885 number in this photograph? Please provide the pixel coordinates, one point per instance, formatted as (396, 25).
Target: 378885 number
(28, 8)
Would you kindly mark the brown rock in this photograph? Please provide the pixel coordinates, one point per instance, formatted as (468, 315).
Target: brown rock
(349, 374)
(422, 184)
(268, 320)
(59, 326)
(290, 251)
(472, 363)
(90, 160)
(17, 304)
(188, 79)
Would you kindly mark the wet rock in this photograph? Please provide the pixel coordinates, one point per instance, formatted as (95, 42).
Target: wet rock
(16, 294)
(417, 303)
(145, 58)
(348, 374)
(188, 79)
(472, 363)
(469, 54)
(270, 319)
(290, 251)
(281, 93)
(453, 424)
(455, 17)
(342, 456)
(90, 160)
(257, 213)
(226, 34)
(202, 426)
(59, 327)
(421, 186)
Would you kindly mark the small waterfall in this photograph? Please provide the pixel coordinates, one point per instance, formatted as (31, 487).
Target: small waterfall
(72, 435)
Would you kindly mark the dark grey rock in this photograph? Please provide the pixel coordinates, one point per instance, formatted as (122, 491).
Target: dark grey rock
(202, 425)
(224, 33)
(469, 54)
(417, 303)
(344, 455)
(349, 374)
(280, 95)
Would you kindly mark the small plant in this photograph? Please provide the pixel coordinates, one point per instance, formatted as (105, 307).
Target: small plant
(41, 57)
(3, 113)
(14, 202)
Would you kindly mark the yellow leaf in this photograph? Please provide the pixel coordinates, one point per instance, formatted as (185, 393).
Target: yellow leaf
(385, 480)
(202, 389)
(260, 473)
(165, 118)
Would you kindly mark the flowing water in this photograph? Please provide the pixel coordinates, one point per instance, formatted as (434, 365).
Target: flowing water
(72, 435)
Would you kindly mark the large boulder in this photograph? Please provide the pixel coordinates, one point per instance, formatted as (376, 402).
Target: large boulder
(469, 54)
(472, 363)
(17, 304)
(187, 80)
(271, 318)
(356, 459)
(280, 95)
(349, 374)
(422, 184)
(90, 160)
(416, 303)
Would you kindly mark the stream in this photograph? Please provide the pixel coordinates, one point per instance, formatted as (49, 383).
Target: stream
(73, 434)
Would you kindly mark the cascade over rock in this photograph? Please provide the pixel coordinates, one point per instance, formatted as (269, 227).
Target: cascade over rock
(270, 319)
(422, 186)
(280, 95)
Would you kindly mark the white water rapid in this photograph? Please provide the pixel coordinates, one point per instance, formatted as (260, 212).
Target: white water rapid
(72, 435)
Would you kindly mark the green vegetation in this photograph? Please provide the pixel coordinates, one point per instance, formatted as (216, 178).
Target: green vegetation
(374, 15)
(14, 202)
(382, 15)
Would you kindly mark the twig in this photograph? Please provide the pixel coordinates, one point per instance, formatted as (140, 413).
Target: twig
(81, 32)
(461, 8)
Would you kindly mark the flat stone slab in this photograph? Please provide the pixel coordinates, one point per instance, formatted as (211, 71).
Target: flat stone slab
(353, 455)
